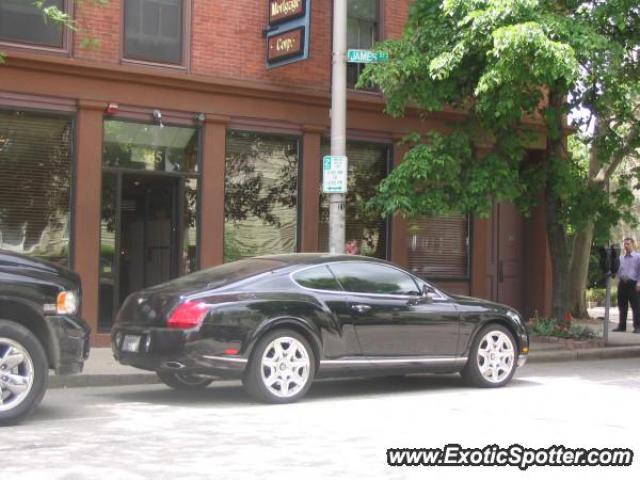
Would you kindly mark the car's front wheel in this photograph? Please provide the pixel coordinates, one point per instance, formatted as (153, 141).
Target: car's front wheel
(492, 358)
(183, 381)
(23, 372)
(281, 367)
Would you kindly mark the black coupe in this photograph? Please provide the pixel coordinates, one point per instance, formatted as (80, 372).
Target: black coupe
(277, 322)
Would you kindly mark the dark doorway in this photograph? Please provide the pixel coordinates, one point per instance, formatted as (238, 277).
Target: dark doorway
(146, 212)
(148, 232)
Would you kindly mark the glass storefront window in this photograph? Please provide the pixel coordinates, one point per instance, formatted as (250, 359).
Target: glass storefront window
(261, 194)
(150, 147)
(366, 231)
(35, 184)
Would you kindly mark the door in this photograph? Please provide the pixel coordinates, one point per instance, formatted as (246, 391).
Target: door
(509, 267)
(148, 232)
(144, 213)
(389, 321)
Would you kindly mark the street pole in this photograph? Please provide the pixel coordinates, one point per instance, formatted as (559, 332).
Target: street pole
(337, 208)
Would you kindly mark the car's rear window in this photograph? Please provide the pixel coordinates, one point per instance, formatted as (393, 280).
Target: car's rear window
(319, 278)
(229, 272)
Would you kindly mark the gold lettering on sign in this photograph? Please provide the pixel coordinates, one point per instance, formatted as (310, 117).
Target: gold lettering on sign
(286, 44)
(284, 9)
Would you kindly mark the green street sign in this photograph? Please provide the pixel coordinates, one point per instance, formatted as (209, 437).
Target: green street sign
(366, 56)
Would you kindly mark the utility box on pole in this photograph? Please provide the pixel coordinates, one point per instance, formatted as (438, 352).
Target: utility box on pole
(337, 207)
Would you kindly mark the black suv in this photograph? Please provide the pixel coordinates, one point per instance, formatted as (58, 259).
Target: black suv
(39, 330)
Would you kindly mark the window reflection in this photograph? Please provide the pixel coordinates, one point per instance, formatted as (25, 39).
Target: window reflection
(366, 230)
(35, 184)
(150, 147)
(261, 189)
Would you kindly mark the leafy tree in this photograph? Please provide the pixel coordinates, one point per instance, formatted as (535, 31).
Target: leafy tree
(515, 67)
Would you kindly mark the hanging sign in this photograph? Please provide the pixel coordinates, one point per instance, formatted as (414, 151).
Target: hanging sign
(285, 10)
(288, 32)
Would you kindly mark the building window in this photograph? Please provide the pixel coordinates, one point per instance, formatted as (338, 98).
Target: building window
(154, 31)
(23, 22)
(362, 32)
(366, 230)
(438, 247)
(261, 194)
(35, 184)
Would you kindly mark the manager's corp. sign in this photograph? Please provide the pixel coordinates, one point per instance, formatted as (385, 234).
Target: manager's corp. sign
(285, 10)
(286, 44)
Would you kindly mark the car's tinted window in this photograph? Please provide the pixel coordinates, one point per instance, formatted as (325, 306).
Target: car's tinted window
(319, 278)
(373, 278)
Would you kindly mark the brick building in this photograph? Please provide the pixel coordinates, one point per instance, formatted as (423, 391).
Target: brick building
(155, 141)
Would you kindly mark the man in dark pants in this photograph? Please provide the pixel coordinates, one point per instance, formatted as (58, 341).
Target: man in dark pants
(628, 286)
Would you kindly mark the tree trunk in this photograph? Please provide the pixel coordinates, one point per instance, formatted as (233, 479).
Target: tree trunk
(560, 246)
(579, 271)
(560, 251)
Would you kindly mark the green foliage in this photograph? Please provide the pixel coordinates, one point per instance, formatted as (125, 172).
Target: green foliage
(550, 327)
(504, 62)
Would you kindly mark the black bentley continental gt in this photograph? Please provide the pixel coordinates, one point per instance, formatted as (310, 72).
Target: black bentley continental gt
(277, 322)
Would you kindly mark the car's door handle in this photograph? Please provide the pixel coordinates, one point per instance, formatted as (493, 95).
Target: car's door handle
(361, 308)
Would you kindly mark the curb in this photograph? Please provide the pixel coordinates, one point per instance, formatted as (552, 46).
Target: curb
(584, 354)
(118, 380)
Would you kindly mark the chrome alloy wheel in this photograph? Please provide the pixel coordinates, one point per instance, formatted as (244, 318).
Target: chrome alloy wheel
(495, 356)
(285, 367)
(16, 374)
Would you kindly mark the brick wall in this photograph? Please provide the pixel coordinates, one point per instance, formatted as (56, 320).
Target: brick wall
(227, 40)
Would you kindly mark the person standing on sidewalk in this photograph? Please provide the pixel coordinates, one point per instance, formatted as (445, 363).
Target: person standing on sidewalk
(629, 286)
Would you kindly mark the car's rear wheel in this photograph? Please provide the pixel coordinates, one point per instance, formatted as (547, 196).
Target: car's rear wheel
(23, 372)
(492, 358)
(281, 367)
(183, 381)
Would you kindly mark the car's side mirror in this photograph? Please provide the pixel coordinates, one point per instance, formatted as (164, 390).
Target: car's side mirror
(427, 294)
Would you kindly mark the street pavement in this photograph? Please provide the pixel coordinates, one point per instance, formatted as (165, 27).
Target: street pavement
(341, 430)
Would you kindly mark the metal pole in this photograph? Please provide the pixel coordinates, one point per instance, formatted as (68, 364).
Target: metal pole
(607, 306)
(337, 208)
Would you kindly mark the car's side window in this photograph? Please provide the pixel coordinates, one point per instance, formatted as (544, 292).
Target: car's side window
(364, 277)
(319, 278)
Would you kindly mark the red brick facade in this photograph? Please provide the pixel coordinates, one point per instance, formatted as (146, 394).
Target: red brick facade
(226, 39)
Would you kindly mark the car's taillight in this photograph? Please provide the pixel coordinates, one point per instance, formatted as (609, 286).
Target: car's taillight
(188, 315)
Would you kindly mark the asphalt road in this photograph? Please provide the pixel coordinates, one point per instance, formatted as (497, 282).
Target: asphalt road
(341, 430)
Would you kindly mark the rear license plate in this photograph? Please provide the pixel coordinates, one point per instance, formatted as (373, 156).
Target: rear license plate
(131, 343)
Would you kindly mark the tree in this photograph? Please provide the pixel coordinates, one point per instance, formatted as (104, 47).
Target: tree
(513, 66)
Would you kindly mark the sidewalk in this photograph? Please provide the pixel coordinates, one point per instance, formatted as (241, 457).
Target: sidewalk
(101, 370)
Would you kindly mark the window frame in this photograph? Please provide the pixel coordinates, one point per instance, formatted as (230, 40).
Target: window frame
(292, 134)
(380, 37)
(67, 38)
(73, 162)
(365, 140)
(187, 20)
(468, 251)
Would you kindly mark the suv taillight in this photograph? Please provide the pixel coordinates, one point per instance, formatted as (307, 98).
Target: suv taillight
(188, 315)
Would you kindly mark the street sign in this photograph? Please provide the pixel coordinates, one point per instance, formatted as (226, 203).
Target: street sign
(366, 56)
(334, 174)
